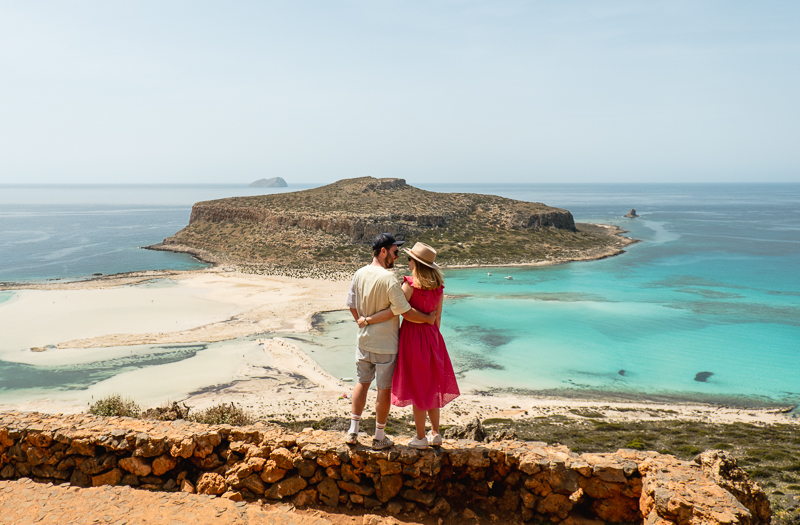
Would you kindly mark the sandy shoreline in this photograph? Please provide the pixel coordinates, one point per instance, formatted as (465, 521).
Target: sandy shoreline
(77, 321)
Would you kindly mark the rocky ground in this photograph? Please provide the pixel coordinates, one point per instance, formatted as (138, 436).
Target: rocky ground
(508, 481)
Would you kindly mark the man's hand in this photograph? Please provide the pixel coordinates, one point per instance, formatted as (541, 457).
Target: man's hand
(362, 321)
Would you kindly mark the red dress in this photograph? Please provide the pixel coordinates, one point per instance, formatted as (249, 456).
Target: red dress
(423, 375)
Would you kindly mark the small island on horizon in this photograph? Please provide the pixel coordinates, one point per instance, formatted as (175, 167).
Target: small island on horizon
(274, 182)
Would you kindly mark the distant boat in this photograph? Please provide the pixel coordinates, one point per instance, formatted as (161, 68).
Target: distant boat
(509, 278)
(489, 273)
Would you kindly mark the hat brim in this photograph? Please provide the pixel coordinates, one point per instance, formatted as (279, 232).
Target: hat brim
(426, 263)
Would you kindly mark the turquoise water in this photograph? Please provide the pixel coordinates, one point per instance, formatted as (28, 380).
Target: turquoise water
(706, 307)
(712, 289)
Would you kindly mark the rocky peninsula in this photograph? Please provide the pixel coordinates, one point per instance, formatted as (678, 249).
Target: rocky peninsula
(326, 231)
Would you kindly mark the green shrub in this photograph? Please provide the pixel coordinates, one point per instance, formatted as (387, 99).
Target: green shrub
(115, 405)
(636, 444)
(223, 414)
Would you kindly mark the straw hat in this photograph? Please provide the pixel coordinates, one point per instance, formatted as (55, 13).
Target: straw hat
(423, 253)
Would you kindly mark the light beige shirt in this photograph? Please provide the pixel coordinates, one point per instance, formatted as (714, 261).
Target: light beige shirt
(374, 289)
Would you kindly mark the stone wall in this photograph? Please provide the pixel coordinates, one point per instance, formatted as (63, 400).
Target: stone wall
(529, 480)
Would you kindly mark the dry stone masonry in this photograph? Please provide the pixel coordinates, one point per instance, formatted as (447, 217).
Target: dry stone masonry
(530, 480)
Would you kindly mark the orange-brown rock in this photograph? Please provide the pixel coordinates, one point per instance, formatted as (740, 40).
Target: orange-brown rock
(163, 464)
(286, 487)
(211, 483)
(271, 472)
(112, 477)
(537, 481)
(136, 466)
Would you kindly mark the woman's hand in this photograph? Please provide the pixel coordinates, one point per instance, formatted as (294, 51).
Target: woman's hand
(362, 322)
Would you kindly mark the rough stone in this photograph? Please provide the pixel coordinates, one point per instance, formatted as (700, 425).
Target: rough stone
(136, 466)
(286, 487)
(538, 481)
(282, 458)
(271, 472)
(211, 483)
(112, 477)
(328, 492)
(163, 464)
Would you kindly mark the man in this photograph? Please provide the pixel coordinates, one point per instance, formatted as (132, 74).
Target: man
(375, 288)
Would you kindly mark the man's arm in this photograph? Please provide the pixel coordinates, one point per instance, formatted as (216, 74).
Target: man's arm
(379, 317)
(355, 314)
(415, 316)
(399, 305)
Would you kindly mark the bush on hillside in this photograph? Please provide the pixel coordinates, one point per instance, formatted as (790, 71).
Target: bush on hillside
(223, 414)
(115, 405)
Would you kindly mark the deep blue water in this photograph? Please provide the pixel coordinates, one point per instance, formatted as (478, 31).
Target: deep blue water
(706, 307)
(74, 231)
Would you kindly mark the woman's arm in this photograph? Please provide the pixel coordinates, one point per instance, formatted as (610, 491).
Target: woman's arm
(439, 312)
(378, 317)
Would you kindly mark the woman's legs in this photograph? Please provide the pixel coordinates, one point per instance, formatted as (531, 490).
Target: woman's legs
(433, 414)
(419, 421)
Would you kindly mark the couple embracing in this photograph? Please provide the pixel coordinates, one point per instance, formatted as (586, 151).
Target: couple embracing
(410, 362)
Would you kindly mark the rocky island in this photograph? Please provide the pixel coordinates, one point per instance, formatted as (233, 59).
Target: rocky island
(328, 229)
(274, 182)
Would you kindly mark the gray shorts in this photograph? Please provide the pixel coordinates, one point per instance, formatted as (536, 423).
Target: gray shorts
(368, 364)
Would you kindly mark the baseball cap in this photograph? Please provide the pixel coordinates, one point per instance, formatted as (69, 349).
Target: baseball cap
(384, 240)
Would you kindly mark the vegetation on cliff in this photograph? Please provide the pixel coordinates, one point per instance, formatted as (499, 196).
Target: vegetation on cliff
(332, 227)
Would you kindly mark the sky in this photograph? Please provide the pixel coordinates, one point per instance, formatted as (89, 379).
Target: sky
(192, 91)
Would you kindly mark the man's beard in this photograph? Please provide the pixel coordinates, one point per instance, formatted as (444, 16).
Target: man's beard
(388, 262)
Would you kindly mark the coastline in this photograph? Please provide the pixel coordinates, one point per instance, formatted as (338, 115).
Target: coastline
(275, 379)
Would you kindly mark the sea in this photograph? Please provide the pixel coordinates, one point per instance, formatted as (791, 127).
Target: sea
(705, 307)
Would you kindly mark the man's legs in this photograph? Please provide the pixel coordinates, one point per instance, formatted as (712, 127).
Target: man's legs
(359, 398)
(359, 401)
(382, 405)
(371, 366)
(384, 371)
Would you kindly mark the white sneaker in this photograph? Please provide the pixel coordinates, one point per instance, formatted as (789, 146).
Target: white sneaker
(421, 444)
(386, 442)
(434, 439)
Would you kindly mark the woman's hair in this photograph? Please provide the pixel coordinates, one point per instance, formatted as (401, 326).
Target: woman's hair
(425, 277)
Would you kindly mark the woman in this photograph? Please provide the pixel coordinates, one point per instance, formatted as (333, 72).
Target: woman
(424, 375)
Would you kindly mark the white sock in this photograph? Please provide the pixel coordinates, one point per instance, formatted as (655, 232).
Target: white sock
(379, 432)
(354, 423)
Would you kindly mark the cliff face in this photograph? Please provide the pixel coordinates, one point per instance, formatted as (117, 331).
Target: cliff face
(363, 208)
(334, 224)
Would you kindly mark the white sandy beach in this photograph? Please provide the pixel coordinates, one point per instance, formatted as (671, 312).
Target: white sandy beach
(233, 315)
